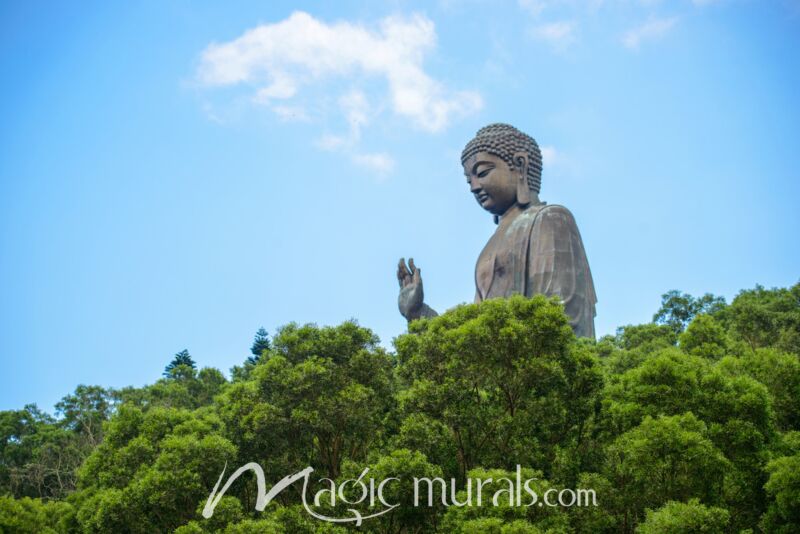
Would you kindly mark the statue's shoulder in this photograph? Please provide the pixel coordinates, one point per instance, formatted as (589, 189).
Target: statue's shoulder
(555, 209)
(552, 212)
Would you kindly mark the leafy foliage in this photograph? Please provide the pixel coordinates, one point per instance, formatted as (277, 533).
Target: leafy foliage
(260, 344)
(687, 424)
(503, 379)
(678, 309)
(685, 517)
(180, 364)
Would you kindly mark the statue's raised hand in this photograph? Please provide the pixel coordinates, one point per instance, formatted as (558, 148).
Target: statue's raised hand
(411, 296)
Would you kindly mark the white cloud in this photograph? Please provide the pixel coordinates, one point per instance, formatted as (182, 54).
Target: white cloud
(549, 156)
(332, 142)
(650, 30)
(282, 87)
(380, 163)
(560, 165)
(559, 35)
(356, 110)
(536, 7)
(283, 57)
(291, 113)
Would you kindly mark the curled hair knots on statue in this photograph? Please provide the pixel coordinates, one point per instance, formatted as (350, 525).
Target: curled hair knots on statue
(503, 140)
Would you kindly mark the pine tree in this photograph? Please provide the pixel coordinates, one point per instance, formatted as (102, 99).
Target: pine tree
(260, 344)
(181, 358)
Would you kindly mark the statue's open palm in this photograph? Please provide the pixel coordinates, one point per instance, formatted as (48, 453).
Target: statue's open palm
(411, 294)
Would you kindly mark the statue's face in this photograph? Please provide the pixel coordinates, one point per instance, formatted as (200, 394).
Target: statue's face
(492, 182)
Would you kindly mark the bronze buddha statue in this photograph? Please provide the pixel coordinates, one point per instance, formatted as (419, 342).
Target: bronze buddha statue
(536, 248)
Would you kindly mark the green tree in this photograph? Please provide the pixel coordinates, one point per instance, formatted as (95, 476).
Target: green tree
(780, 373)
(18, 431)
(319, 397)
(736, 410)
(185, 388)
(647, 337)
(179, 364)
(504, 376)
(404, 465)
(691, 425)
(34, 516)
(260, 344)
(678, 309)
(504, 517)
(663, 459)
(670, 382)
(152, 470)
(705, 337)
(85, 411)
(599, 519)
(685, 517)
(38, 455)
(783, 488)
(766, 318)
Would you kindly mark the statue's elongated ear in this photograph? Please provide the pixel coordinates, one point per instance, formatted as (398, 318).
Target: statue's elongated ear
(521, 171)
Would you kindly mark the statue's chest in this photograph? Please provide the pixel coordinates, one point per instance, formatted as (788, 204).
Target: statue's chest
(493, 272)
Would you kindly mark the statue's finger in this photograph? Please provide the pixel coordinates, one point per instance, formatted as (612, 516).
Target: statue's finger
(412, 266)
(417, 276)
(403, 275)
(403, 267)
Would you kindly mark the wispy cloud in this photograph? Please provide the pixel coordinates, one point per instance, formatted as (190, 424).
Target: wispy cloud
(380, 163)
(281, 59)
(549, 156)
(560, 165)
(358, 112)
(559, 35)
(651, 30)
(291, 113)
(534, 7)
(537, 7)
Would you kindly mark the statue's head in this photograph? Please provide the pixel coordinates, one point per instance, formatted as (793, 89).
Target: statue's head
(503, 167)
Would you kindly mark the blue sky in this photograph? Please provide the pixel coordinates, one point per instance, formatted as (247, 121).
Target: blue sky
(177, 174)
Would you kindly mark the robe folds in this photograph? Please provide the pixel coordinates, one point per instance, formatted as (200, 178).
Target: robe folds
(540, 252)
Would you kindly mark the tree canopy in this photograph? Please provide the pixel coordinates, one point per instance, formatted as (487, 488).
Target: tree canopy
(690, 423)
(181, 364)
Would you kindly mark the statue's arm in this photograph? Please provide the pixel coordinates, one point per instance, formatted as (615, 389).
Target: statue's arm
(558, 267)
(411, 299)
(424, 311)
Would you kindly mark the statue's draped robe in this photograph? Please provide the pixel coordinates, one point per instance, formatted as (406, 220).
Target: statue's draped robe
(541, 252)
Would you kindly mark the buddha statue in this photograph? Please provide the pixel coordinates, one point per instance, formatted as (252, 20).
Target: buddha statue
(536, 248)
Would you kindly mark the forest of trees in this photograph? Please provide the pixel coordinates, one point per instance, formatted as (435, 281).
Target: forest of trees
(690, 423)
